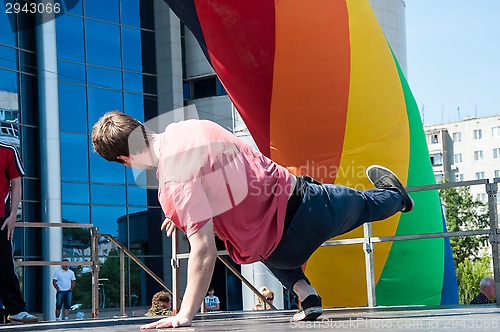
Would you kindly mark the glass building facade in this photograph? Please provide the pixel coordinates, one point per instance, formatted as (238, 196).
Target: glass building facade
(105, 61)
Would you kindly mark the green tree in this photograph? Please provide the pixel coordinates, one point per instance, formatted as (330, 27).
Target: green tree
(464, 213)
(110, 269)
(469, 274)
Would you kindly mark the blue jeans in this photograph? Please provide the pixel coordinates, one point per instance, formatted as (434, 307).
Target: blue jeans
(326, 211)
(63, 298)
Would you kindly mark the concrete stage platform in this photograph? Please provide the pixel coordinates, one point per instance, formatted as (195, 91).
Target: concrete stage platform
(456, 318)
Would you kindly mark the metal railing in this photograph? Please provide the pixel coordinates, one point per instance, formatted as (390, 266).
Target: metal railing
(94, 261)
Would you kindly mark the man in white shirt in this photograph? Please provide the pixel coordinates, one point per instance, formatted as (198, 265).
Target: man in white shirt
(212, 302)
(64, 281)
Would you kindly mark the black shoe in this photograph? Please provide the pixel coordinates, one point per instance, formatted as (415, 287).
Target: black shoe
(384, 178)
(311, 309)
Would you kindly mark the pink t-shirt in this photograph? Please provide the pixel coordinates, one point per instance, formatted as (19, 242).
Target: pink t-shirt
(206, 172)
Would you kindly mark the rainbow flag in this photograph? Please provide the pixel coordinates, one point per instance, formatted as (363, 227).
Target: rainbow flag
(322, 94)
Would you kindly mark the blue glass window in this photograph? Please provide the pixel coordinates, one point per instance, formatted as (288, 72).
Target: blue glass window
(186, 90)
(103, 44)
(149, 84)
(102, 101)
(104, 171)
(69, 34)
(75, 193)
(71, 72)
(113, 195)
(130, 12)
(27, 62)
(73, 7)
(102, 10)
(7, 28)
(74, 157)
(104, 78)
(148, 52)
(137, 196)
(132, 50)
(8, 81)
(134, 106)
(76, 213)
(106, 218)
(73, 107)
(8, 57)
(220, 89)
(132, 82)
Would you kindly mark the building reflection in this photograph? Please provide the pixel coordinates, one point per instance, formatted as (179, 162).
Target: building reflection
(9, 118)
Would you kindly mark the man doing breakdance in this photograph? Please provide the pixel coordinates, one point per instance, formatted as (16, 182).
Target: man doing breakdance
(209, 180)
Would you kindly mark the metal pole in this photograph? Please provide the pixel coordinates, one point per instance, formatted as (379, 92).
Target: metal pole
(175, 273)
(122, 284)
(492, 190)
(95, 271)
(50, 151)
(369, 265)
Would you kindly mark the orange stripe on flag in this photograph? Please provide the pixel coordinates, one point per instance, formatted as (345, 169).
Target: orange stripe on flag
(309, 99)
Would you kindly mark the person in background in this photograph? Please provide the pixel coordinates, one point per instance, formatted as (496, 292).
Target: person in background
(161, 305)
(269, 295)
(487, 292)
(10, 185)
(64, 281)
(212, 302)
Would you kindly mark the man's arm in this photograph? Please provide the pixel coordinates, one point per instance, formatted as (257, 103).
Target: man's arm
(54, 283)
(15, 199)
(73, 283)
(200, 269)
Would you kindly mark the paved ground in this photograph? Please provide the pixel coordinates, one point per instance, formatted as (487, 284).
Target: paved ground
(457, 318)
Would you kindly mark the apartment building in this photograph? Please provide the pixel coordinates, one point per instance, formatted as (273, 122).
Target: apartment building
(466, 150)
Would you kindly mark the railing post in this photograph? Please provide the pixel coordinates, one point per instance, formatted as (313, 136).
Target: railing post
(492, 190)
(175, 272)
(94, 232)
(369, 265)
(122, 284)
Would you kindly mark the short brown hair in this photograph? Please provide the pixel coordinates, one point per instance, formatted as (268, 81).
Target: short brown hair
(111, 136)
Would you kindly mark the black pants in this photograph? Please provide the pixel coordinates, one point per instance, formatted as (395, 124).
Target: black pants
(326, 211)
(10, 293)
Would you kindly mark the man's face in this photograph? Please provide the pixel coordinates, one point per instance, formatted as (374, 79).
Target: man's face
(65, 266)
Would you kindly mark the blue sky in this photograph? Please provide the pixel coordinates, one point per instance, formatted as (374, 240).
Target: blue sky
(453, 53)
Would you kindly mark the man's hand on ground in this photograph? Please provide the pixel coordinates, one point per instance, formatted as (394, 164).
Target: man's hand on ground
(174, 321)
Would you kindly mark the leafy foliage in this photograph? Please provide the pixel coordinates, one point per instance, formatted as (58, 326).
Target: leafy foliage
(110, 269)
(464, 213)
(469, 274)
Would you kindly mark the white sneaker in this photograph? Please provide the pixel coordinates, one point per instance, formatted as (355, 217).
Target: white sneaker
(58, 319)
(66, 318)
(23, 317)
